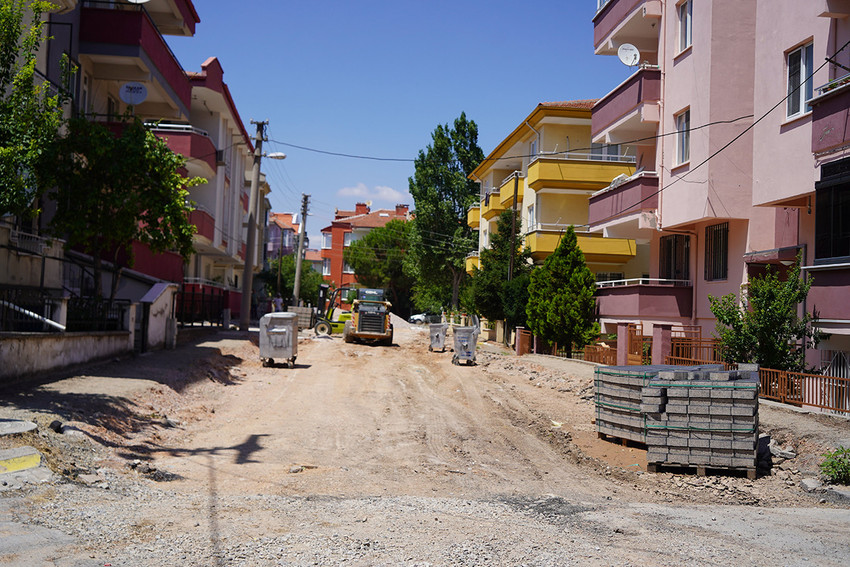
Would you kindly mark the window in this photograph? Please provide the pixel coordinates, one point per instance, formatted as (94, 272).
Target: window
(609, 152)
(683, 136)
(832, 214)
(685, 25)
(800, 91)
(532, 150)
(674, 257)
(609, 276)
(531, 220)
(326, 266)
(327, 240)
(347, 269)
(348, 238)
(716, 251)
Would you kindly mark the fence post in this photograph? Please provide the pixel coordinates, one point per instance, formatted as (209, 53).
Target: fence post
(129, 323)
(622, 344)
(661, 342)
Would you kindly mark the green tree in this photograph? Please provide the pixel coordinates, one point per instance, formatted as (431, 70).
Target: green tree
(114, 189)
(30, 115)
(378, 261)
(764, 326)
(496, 296)
(561, 308)
(442, 193)
(310, 279)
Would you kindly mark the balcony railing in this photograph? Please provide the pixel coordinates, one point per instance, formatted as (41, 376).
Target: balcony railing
(644, 281)
(830, 115)
(584, 156)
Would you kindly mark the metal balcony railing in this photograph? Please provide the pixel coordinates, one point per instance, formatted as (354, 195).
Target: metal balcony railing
(643, 281)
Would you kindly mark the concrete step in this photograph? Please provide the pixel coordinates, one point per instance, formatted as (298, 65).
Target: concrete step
(19, 459)
(15, 426)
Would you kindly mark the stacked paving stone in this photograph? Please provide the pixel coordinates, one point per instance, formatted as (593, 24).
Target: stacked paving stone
(618, 394)
(706, 419)
(699, 416)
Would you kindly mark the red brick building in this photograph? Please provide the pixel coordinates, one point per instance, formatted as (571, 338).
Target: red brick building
(347, 227)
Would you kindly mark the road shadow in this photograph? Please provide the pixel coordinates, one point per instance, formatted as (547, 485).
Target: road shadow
(106, 396)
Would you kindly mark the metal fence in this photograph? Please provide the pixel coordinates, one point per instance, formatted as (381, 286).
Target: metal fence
(200, 305)
(87, 314)
(27, 310)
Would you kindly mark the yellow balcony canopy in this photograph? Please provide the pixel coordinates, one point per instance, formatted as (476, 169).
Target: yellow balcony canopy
(584, 174)
(491, 207)
(473, 216)
(472, 262)
(595, 248)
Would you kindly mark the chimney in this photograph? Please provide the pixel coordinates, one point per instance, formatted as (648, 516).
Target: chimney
(361, 209)
(401, 210)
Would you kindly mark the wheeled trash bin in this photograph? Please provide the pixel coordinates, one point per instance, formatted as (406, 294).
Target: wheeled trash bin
(464, 338)
(279, 338)
(438, 336)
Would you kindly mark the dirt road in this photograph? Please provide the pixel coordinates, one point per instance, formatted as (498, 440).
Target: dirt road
(382, 456)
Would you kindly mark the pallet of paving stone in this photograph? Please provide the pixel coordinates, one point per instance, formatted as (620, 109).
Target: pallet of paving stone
(617, 395)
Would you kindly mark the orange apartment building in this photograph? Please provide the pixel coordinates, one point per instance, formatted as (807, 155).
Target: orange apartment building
(347, 227)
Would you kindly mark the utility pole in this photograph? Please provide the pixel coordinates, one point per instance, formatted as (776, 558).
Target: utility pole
(513, 228)
(305, 201)
(251, 245)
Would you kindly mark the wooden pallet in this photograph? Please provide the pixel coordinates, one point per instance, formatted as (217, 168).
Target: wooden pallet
(702, 470)
(621, 440)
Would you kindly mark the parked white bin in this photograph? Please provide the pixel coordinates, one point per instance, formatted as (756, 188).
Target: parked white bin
(279, 338)
(464, 338)
(438, 336)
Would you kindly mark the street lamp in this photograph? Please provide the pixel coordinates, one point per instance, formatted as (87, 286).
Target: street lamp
(251, 244)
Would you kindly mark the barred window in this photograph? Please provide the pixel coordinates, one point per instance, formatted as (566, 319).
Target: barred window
(717, 251)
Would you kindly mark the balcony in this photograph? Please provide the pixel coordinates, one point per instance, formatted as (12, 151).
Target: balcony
(192, 143)
(472, 262)
(830, 114)
(543, 240)
(637, 194)
(577, 171)
(491, 206)
(627, 21)
(205, 223)
(632, 110)
(125, 45)
(506, 191)
(645, 299)
(828, 294)
(473, 217)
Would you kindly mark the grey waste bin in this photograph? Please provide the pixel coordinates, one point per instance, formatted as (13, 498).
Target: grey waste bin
(438, 336)
(279, 338)
(464, 338)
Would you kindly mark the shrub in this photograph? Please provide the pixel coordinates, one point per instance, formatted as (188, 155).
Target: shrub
(836, 466)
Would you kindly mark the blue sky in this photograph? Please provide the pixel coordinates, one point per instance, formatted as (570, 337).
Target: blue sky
(374, 78)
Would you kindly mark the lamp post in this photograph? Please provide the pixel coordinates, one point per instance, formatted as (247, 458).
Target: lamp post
(251, 244)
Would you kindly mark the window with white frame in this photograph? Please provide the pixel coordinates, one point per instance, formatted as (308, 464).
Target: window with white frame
(531, 220)
(685, 24)
(326, 266)
(532, 150)
(327, 240)
(683, 136)
(346, 269)
(800, 63)
(348, 238)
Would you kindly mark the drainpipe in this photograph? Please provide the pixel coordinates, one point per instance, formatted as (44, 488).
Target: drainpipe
(539, 139)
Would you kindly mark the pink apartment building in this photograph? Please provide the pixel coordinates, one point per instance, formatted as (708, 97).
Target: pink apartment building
(739, 154)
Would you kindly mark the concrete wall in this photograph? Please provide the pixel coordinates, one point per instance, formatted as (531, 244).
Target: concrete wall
(24, 354)
(161, 325)
(25, 269)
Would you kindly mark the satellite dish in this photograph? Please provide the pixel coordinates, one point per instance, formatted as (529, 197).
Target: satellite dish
(133, 93)
(628, 54)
